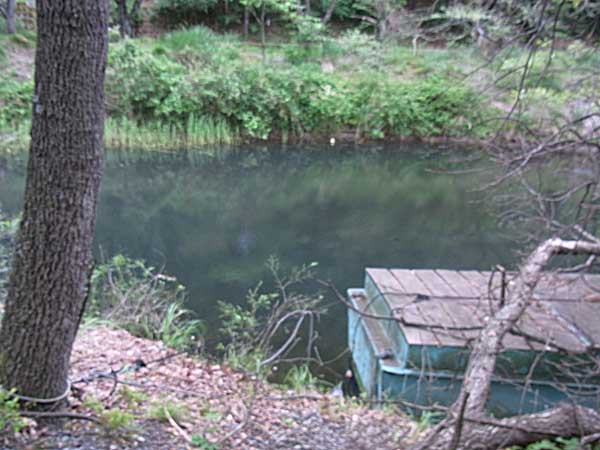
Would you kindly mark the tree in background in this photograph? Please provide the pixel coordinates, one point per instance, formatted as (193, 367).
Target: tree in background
(126, 16)
(47, 285)
(550, 193)
(8, 11)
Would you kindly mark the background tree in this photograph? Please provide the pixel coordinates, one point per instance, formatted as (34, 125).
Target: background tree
(126, 16)
(8, 11)
(47, 285)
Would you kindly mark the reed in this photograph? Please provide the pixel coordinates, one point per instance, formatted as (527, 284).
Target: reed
(124, 133)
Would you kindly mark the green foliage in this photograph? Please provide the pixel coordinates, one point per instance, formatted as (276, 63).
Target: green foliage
(143, 301)
(158, 410)
(556, 444)
(251, 330)
(199, 44)
(93, 404)
(10, 419)
(241, 324)
(300, 378)
(132, 397)
(202, 443)
(194, 87)
(379, 107)
(114, 419)
(15, 101)
(144, 84)
(124, 133)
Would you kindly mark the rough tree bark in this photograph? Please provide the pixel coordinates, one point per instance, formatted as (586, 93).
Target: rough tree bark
(478, 431)
(52, 259)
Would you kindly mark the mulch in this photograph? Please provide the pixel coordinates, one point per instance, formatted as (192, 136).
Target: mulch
(217, 406)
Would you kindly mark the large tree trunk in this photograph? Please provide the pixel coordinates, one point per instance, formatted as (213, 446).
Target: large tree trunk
(11, 27)
(51, 263)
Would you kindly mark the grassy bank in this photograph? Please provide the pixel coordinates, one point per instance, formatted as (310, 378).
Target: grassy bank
(194, 87)
(124, 133)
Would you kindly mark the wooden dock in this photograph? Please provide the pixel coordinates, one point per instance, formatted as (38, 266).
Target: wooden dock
(418, 346)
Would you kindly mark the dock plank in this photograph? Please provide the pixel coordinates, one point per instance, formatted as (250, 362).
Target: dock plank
(437, 285)
(455, 306)
(460, 283)
(385, 281)
(410, 282)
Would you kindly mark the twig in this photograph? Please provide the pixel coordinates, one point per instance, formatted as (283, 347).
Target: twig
(459, 423)
(240, 426)
(58, 414)
(180, 431)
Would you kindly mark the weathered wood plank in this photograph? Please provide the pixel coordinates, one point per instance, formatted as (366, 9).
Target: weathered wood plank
(464, 306)
(459, 283)
(569, 287)
(436, 284)
(477, 279)
(410, 282)
(385, 281)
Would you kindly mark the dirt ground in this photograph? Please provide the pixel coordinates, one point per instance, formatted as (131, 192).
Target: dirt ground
(208, 406)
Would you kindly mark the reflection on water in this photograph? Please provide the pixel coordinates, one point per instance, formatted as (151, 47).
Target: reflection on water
(213, 221)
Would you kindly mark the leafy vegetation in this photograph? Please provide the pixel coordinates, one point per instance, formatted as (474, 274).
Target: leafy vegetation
(193, 87)
(10, 419)
(557, 444)
(300, 378)
(253, 331)
(158, 410)
(116, 418)
(143, 301)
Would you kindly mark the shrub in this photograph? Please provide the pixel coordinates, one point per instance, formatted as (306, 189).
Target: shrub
(15, 101)
(158, 410)
(380, 107)
(10, 419)
(251, 330)
(113, 419)
(143, 84)
(143, 301)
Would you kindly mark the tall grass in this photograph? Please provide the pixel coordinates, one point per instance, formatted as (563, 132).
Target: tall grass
(199, 131)
(124, 133)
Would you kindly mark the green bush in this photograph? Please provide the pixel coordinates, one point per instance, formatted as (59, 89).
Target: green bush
(196, 77)
(143, 301)
(15, 101)
(145, 85)
(10, 419)
(380, 107)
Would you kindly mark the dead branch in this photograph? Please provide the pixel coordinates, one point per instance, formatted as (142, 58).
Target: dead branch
(483, 432)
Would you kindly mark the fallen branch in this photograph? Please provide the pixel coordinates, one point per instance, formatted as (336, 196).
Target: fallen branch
(58, 414)
(180, 431)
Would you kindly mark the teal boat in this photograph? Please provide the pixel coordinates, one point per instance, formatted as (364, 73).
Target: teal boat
(409, 333)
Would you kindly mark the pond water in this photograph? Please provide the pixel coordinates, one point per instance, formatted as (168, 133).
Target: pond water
(213, 219)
